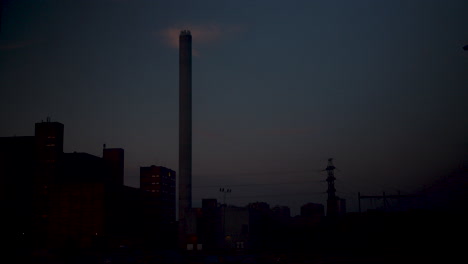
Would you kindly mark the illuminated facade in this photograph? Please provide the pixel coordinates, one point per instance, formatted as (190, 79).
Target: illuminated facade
(159, 190)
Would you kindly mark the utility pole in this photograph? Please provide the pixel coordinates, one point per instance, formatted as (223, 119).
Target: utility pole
(359, 201)
(225, 191)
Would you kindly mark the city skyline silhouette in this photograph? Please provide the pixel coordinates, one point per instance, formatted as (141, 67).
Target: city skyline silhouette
(312, 131)
(377, 86)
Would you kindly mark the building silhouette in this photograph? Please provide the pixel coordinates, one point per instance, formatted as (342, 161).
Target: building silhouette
(17, 157)
(312, 210)
(158, 186)
(114, 160)
(53, 199)
(48, 154)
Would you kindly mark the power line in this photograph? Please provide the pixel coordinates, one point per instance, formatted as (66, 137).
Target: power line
(263, 173)
(258, 184)
(274, 195)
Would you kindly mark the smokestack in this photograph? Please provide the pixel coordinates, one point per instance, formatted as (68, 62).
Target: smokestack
(185, 123)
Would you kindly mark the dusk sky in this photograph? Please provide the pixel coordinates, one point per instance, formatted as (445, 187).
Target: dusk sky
(278, 88)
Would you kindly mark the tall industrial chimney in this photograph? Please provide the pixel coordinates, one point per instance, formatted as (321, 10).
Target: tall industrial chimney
(185, 123)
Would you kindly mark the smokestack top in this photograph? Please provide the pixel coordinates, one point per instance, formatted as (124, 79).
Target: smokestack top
(185, 32)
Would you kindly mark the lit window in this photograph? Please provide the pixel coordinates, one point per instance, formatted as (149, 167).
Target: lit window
(157, 183)
(50, 145)
(153, 183)
(50, 137)
(152, 190)
(157, 175)
(153, 176)
(169, 173)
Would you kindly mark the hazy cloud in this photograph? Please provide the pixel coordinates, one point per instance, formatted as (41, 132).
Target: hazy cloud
(204, 34)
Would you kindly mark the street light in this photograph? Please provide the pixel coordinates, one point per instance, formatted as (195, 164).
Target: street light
(224, 191)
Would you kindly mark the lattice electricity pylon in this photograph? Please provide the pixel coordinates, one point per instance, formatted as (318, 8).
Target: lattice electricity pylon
(331, 180)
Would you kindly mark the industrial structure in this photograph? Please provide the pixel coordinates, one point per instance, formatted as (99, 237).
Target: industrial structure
(335, 205)
(185, 123)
